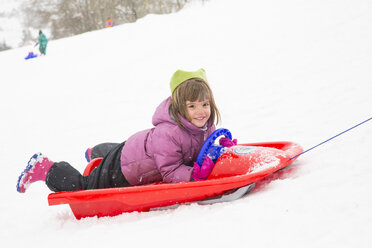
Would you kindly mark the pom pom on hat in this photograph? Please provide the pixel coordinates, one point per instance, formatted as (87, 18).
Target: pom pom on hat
(181, 76)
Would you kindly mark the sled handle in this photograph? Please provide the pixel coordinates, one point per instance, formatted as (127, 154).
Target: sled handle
(92, 164)
(205, 150)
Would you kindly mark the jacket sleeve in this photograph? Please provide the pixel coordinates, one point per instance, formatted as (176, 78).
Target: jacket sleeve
(168, 156)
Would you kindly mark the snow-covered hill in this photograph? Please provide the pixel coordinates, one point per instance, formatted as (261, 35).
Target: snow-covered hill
(280, 70)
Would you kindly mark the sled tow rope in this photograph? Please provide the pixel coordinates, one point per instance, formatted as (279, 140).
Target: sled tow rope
(331, 138)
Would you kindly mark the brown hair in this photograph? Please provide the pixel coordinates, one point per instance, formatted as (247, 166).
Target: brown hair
(192, 90)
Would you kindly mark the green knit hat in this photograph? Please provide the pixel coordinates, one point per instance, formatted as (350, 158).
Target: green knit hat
(181, 76)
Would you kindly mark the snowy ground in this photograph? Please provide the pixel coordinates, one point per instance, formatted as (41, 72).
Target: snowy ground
(280, 70)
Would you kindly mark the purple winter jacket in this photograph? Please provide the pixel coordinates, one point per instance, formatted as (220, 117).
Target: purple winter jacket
(165, 153)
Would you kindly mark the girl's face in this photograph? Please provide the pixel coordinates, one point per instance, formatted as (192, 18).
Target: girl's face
(198, 112)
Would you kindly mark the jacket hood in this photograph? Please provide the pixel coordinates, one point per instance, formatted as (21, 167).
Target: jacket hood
(162, 115)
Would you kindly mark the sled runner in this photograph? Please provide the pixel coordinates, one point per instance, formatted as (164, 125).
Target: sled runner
(236, 170)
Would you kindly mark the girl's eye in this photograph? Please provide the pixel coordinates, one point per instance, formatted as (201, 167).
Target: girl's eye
(206, 104)
(190, 106)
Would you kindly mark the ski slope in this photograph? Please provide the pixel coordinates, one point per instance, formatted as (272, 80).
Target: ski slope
(280, 70)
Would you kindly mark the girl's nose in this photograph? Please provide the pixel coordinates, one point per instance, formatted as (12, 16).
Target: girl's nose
(199, 109)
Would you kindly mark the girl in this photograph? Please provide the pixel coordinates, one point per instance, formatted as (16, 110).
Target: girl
(165, 153)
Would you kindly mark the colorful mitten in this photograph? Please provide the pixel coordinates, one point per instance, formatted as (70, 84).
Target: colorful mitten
(226, 142)
(37, 169)
(202, 172)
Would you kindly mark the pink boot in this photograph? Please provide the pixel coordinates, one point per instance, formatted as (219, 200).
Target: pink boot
(37, 169)
(88, 154)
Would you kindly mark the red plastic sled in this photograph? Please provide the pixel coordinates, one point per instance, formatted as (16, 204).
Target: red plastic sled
(236, 167)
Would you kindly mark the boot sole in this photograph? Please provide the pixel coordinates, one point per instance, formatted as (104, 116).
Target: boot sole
(30, 164)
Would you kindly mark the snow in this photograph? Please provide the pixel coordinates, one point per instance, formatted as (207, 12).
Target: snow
(280, 70)
(10, 23)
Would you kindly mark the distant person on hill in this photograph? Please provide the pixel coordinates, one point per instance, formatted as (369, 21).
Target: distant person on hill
(42, 42)
(109, 23)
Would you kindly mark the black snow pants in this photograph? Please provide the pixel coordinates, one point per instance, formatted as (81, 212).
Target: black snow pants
(63, 177)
